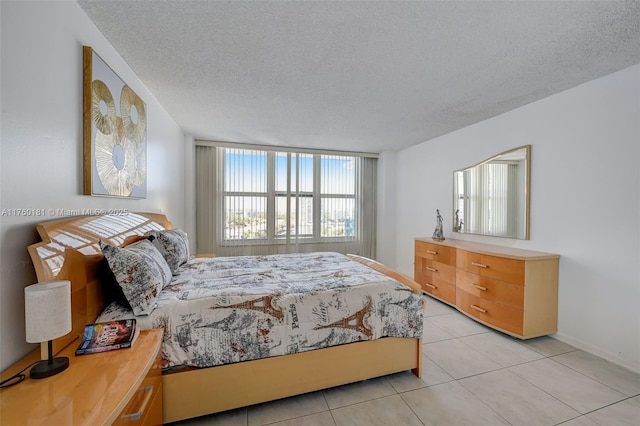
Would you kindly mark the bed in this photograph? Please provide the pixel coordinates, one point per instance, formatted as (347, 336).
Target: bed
(70, 250)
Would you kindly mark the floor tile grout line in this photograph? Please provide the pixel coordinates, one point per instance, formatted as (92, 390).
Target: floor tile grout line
(549, 356)
(441, 340)
(460, 378)
(294, 418)
(324, 395)
(587, 375)
(597, 409)
(389, 383)
(485, 403)
(507, 368)
(475, 350)
(501, 367)
(333, 419)
(410, 408)
(464, 387)
(374, 399)
(609, 405)
(363, 401)
(543, 390)
(396, 392)
(459, 337)
(568, 420)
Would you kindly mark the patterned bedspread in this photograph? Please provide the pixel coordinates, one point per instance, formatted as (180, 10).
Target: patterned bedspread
(229, 309)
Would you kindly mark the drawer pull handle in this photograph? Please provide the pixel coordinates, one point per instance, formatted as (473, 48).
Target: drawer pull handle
(429, 268)
(430, 286)
(432, 252)
(148, 392)
(479, 287)
(478, 308)
(479, 265)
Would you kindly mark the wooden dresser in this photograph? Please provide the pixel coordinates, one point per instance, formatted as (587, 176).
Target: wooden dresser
(512, 290)
(109, 388)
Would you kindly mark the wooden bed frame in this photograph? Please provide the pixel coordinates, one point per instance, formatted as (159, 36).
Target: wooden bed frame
(69, 251)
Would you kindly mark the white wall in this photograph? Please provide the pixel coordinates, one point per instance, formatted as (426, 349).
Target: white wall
(41, 151)
(585, 202)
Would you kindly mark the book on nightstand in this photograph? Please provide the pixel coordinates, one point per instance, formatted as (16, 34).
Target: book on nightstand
(108, 336)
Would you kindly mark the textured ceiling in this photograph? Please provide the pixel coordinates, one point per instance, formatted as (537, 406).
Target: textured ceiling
(362, 76)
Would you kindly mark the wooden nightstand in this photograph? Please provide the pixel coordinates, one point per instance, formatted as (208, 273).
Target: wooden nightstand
(115, 387)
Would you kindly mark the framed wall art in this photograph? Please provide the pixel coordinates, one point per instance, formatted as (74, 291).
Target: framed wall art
(115, 133)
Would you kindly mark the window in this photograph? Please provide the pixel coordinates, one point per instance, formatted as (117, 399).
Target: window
(294, 195)
(244, 200)
(270, 196)
(273, 198)
(338, 196)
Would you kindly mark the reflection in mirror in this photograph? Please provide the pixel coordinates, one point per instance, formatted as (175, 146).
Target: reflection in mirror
(492, 197)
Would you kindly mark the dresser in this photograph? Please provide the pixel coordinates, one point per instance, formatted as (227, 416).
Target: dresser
(511, 290)
(109, 388)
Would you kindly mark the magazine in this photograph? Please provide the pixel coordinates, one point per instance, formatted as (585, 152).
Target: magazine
(108, 336)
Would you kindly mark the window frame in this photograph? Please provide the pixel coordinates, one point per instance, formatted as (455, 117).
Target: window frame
(271, 194)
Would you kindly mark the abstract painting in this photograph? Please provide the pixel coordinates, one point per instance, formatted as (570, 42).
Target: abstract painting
(115, 133)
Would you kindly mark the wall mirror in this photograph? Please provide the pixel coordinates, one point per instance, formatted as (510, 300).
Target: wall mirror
(492, 197)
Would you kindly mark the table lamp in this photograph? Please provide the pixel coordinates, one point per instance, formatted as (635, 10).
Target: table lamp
(47, 317)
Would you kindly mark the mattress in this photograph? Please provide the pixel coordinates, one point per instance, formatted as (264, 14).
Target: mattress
(223, 310)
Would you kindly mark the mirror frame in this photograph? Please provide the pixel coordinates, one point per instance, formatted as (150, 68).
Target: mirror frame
(527, 193)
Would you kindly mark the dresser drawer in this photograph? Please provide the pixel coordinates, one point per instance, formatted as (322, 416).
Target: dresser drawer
(444, 292)
(437, 252)
(501, 268)
(500, 292)
(435, 272)
(145, 407)
(501, 317)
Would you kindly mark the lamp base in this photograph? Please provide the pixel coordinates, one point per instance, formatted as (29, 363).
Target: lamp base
(45, 369)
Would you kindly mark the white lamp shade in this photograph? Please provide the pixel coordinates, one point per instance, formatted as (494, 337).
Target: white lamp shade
(47, 310)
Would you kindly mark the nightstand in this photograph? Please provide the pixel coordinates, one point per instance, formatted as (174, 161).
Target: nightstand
(116, 387)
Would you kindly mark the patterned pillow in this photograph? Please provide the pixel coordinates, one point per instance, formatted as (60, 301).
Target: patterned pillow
(110, 286)
(141, 271)
(173, 245)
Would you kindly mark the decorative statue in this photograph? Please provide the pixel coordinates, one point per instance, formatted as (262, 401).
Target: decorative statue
(438, 235)
(458, 225)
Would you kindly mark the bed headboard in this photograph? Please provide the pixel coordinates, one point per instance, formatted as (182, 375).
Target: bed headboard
(69, 251)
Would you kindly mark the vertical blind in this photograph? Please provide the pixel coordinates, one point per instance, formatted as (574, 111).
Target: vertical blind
(265, 201)
(493, 208)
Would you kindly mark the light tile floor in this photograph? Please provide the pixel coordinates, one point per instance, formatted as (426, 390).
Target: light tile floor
(471, 375)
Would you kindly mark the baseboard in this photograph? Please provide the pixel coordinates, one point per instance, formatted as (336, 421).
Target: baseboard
(611, 357)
